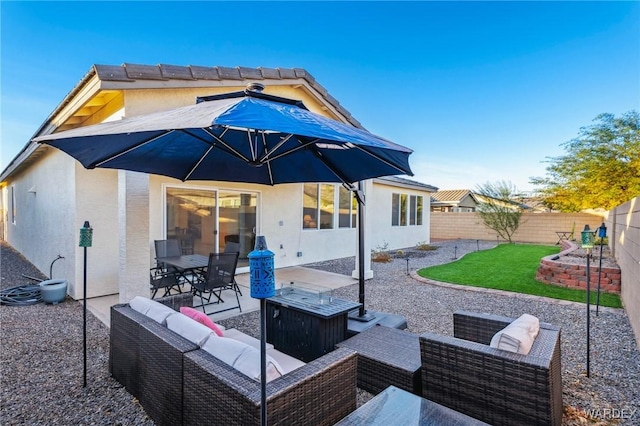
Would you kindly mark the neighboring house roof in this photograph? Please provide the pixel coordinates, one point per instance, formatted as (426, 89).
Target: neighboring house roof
(103, 83)
(405, 183)
(452, 196)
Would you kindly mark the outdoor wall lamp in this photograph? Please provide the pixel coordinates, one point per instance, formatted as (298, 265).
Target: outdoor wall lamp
(588, 237)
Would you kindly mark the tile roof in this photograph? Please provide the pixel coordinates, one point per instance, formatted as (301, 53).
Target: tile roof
(451, 195)
(163, 72)
(408, 182)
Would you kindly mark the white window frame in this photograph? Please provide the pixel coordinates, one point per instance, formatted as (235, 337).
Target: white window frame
(337, 189)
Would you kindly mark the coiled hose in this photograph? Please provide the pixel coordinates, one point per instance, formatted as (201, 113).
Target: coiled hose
(22, 295)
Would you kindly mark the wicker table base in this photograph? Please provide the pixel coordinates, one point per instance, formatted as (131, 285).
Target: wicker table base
(387, 356)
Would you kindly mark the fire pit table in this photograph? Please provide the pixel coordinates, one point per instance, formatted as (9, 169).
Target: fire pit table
(306, 321)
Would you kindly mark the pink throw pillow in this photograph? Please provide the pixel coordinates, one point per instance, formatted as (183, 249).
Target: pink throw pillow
(202, 318)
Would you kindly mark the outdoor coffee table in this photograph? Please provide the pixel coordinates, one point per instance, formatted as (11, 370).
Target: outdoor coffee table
(387, 356)
(395, 406)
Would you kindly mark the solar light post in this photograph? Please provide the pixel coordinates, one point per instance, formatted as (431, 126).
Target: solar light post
(602, 234)
(587, 238)
(86, 237)
(263, 286)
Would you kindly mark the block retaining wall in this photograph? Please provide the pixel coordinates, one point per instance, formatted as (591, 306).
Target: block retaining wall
(555, 272)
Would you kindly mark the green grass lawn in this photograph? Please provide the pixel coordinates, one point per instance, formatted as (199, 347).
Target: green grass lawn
(510, 267)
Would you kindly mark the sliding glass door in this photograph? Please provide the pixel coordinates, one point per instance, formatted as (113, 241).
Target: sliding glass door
(205, 220)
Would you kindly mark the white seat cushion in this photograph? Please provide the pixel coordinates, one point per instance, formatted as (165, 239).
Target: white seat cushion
(517, 336)
(286, 362)
(190, 329)
(242, 357)
(155, 310)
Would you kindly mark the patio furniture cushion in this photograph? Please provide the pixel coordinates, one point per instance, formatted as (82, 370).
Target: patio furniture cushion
(235, 334)
(518, 336)
(152, 309)
(202, 318)
(242, 357)
(190, 329)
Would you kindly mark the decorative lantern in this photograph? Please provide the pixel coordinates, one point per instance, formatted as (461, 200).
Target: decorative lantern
(588, 238)
(86, 235)
(261, 269)
(602, 231)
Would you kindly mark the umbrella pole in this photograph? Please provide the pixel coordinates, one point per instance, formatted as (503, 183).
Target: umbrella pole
(263, 362)
(361, 257)
(362, 313)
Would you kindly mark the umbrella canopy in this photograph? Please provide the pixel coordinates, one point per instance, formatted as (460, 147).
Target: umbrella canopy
(239, 137)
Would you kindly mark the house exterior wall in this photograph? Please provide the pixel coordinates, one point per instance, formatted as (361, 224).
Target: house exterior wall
(53, 199)
(279, 220)
(40, 231)
(395, 237)
(66, 195)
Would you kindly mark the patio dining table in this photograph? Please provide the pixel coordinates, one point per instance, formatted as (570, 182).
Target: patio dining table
(187, 266)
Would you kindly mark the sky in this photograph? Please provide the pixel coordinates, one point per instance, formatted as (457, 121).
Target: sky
(481, 91)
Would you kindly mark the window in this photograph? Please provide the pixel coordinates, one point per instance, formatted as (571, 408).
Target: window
(348, 207)
(319, 207)
(395, 209)
(406, 210)
(13, 205)
(403, 209)
(415, 210)
(412, 210)
(327, 206)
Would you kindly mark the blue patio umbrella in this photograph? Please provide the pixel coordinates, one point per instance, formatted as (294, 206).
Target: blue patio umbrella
(245, 136)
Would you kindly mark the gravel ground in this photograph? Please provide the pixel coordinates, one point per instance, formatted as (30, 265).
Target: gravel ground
(41, 368)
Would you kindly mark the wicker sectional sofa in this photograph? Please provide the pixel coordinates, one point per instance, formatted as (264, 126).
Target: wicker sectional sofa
(178, 383)
(495, 386)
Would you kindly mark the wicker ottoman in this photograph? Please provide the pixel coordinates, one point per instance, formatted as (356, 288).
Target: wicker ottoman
(387, 356)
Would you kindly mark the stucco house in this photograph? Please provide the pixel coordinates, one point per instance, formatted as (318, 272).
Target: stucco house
(47, 195)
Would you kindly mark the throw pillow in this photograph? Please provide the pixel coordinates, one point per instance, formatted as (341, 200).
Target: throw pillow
(518, 336)
(202, 318)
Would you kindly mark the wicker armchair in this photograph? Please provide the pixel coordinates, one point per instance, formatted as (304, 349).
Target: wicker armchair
(495, 386)
(319, 393)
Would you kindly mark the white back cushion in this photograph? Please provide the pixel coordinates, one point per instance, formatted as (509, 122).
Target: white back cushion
(190, 329)
(154, 310)
(242, 357)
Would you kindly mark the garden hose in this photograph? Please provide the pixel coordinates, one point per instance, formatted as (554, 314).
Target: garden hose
(23, 295)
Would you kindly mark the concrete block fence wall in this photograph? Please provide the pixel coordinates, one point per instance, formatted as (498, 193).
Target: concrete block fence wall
(623, 228)
(538, 228)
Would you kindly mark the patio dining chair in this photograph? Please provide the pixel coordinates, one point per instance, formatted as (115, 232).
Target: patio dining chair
(219, 276)
(231, 247)
(160, 279)
(167, 248)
